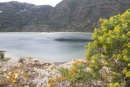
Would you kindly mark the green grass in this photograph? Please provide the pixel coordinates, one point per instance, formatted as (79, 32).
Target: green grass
(5, 59)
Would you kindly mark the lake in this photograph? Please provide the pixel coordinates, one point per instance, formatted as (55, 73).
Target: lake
(54, 47)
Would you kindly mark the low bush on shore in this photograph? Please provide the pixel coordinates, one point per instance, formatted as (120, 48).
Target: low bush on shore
(5, 59)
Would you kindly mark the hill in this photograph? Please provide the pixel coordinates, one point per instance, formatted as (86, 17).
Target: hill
(83, 15)
(68, 15)
(16, 16)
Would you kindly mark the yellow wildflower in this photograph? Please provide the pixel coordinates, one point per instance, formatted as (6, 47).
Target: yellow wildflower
(128, 33)
(125, 58)
(124, 71)
(106, 63)
(129, 64)
(114, 73)
(128, 74)
(51, 81)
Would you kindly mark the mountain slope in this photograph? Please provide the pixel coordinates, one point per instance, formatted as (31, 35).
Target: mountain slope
(83, 15)
(16, 16)
(68, 15)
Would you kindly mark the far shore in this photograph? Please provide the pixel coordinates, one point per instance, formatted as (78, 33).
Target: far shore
(45, 32)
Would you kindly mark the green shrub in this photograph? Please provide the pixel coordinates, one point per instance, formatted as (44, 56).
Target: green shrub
(22, 59)
(110, 49)
(1, 54)
(112, 46)
(5, 59)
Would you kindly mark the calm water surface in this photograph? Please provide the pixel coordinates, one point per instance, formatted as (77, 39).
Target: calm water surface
(45, 46)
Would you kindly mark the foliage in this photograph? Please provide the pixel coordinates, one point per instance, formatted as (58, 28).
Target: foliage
(108, 56)
(1, 54)
(112, 46)
(22, 59)
(5, 59)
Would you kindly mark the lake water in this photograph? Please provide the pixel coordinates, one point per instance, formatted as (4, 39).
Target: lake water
(54, 47)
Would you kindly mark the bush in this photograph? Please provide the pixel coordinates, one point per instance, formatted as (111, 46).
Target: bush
(111, 47)
(108, 56)
(22, 59)
(2, 54)
(5, 59)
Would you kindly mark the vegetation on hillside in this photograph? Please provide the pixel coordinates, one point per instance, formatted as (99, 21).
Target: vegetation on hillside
(68, 15)
(83, 15)
(16, 16)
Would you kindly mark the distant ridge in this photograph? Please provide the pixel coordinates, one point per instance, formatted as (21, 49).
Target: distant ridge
(67, 16)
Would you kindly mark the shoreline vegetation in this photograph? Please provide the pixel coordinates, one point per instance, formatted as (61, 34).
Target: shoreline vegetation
(1, 54)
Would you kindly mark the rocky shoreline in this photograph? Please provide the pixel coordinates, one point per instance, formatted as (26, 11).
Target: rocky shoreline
(31, 71)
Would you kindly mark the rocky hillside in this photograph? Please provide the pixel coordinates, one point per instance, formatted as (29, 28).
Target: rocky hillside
(16, 16)
(83, 15)
(68, 15)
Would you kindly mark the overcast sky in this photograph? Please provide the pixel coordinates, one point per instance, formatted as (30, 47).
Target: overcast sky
(37, 2)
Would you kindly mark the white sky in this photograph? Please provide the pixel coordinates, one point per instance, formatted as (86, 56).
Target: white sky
(37, 2)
